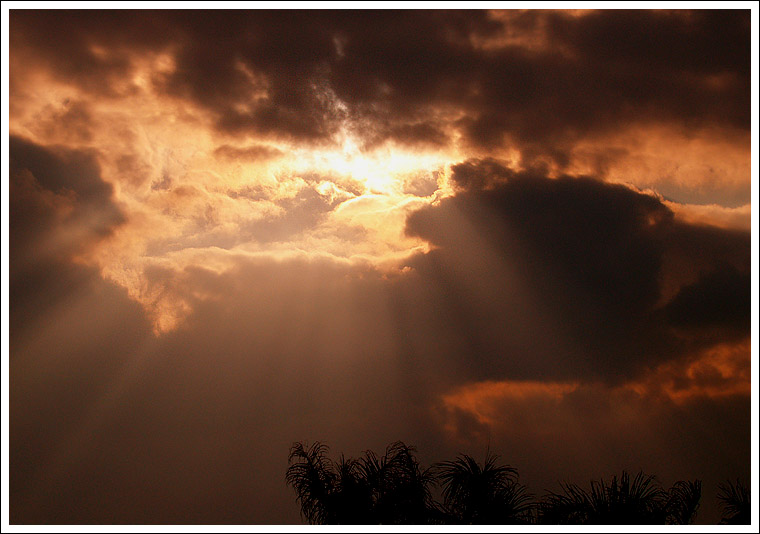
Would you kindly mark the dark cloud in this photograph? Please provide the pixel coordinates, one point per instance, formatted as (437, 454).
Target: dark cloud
(249, 153)
(700, 42)
(72, 335)
(720, 298)
(591, 259)
(422, 134)
(392, 69)
(97, 57)
(422, 184)
(59, 207)
(478, 174)
(60, 170)
(194, 426)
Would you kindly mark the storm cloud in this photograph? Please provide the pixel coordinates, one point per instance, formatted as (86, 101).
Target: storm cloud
(542, 80)
(59, 207)
(591, 255)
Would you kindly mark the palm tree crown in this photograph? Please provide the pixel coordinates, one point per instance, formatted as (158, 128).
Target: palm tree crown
(311, 475)
(630, 501)
(391, 489)
(394, 489)
(736, 506)
(487, 494)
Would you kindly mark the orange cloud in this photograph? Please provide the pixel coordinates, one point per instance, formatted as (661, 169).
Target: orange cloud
(482, 398)
(249, 165)
(720, 371)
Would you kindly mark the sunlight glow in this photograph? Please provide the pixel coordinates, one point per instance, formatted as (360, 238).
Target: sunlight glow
(382, 170)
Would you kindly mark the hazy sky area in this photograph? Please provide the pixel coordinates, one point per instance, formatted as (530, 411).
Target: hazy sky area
(523, 231)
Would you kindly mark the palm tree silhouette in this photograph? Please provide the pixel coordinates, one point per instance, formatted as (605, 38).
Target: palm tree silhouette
(313, 479)
(683, 502)
(487, 494)
(350, 501)
(736, 506)
(400, 489)
(624, 501)
(395, 489)
(391, 489)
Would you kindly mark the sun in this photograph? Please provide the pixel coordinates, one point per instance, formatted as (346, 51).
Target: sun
(382, 171)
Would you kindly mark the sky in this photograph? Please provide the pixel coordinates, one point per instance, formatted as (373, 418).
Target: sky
(523, 231)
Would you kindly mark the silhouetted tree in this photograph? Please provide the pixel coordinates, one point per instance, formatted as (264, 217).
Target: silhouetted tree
(391, 489)
(736, 506)
(624, 501)
(487, 494)
(683, 502)
(572, 507)
(312, 476)
(400, 489)
(395, 489)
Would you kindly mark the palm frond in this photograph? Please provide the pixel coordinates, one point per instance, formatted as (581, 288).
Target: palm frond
(401, 488)
(736, 503)
(683, 502)
(621, 501)
(571, 507)
(482, 494)
(312, 476)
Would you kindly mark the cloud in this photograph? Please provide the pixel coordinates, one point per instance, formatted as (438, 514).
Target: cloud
(591, 431)
(713, 215)
(60, 208)
(272, 351)
(388, 72)
(249, 153)
(300, 213)
(62, 170)
(235, 230)
(98, 56)
(719, 299)
(70, 122)
(480, 174)
(589, 276)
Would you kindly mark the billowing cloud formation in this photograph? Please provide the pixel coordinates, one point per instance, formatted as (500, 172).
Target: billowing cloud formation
(543, 80)
(591, 258)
